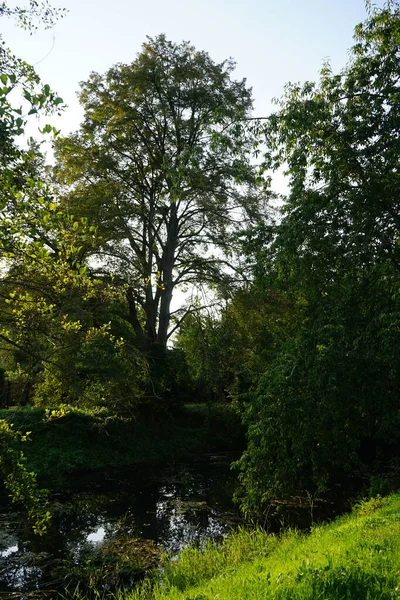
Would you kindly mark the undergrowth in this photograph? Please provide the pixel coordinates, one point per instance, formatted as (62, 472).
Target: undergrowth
(77, 440)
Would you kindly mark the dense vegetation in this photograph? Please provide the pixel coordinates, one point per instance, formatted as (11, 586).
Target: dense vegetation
(291, 317)
(357, 556)
(80, 441)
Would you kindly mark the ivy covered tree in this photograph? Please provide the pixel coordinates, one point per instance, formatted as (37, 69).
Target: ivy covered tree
(328, 407)
(161, 165)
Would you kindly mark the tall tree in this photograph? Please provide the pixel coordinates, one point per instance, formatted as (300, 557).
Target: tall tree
(161, 164)
(329, 405)
(339, 140)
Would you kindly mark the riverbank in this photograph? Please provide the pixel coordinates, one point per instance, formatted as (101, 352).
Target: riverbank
(355, 557)
(80, 441)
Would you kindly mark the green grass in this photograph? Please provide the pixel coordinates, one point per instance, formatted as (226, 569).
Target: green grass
(356, 557)
(85, 441)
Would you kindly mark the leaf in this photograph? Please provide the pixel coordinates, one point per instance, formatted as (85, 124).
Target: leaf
(47, 129)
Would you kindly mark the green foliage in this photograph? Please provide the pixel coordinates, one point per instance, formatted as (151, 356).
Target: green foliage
(56, 342)
(366, 508)
(381, 485)
(57, 333)
(73, 440)
(92, 368)
(199, 338)
(47, 327)
(19, 482)
(18, 167)
(327, 408)
(168, 385)
(338, 141)
(227, 354)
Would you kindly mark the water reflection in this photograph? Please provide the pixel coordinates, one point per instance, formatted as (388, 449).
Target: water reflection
(97, 536)
(179, 506)
(6, 553)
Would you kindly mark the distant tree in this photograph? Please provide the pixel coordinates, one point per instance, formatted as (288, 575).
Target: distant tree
(228, 351)
(161, 165)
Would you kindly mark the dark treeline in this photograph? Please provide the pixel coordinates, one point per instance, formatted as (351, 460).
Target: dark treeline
(290, 314)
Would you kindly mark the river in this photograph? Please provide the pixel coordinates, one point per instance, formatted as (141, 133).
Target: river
(108, 529)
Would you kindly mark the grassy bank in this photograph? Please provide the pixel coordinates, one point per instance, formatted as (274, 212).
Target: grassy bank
(82, 441)
(355, 557)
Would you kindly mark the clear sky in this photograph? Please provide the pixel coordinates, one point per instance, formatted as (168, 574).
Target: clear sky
(272, 41)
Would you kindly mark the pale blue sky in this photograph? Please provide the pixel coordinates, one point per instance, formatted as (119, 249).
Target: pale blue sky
(273, 42)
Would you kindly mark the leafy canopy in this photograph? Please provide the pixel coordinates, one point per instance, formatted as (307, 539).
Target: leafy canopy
(161, 164)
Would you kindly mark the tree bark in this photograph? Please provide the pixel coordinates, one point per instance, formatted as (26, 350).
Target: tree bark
(167, 272)
(134, 319)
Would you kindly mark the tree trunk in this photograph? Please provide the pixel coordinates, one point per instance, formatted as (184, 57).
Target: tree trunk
(134, 320)
(168, 265)
(164, 318)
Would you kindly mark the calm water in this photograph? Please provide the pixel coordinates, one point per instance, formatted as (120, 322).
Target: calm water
(98, 517)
